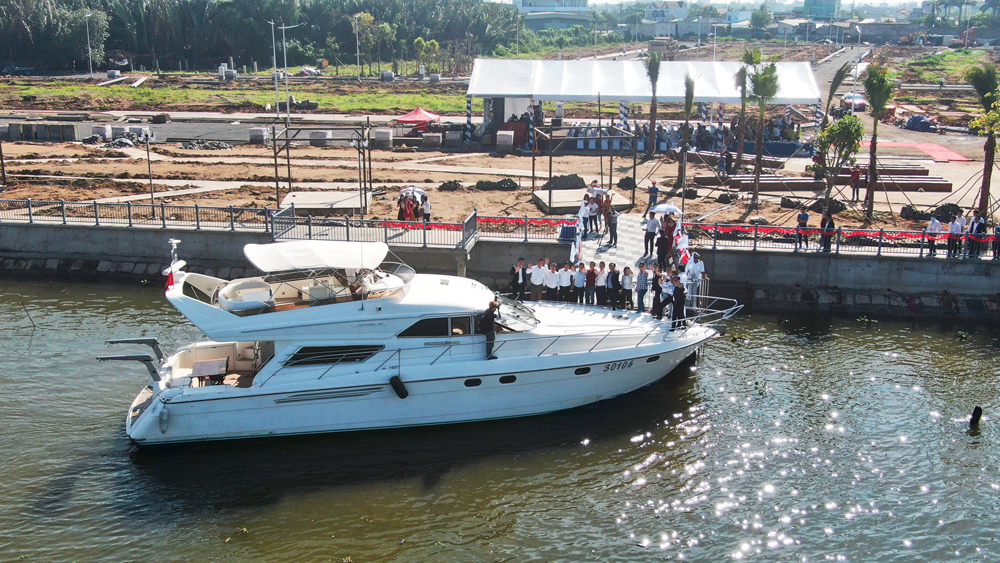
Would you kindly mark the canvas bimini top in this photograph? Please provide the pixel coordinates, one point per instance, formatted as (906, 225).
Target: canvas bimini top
(626, 81)
(315, 255)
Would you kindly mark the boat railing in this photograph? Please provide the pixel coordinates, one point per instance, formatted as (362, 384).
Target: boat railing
(715, 310)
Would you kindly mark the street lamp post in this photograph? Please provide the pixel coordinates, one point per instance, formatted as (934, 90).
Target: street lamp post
(90, 56)
(284, 49)
(857, 69)
(357, 43)
(274, 73)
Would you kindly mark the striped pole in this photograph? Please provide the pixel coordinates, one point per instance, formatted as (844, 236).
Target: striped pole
(788, 112)
(818, 114)
(468, 119)
(722, 114)
(704, 112)
(623, 114)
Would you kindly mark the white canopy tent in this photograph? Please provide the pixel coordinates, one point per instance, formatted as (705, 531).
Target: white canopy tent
(315, 255)
(626, 81)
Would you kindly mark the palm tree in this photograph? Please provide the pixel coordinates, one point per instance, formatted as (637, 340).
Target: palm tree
(838, 79)
(686, 134)
(653, 72)
(879, 89)
(764, 85)
(984, 81)
(751, 57)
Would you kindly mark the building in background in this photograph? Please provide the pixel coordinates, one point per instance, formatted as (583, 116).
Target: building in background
(559, 6)
(822, 9)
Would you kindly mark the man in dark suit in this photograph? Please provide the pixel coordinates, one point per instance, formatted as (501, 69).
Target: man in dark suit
(518, 280)
(677, 306)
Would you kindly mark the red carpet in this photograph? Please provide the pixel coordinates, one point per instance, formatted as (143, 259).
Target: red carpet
(933, 150)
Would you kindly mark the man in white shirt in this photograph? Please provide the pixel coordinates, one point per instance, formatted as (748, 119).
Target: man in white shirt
(536, 277)
(934, 229)
(695, 271)
(602, 286)
(426, 206)
(585, 216)
(565, 283)
(955, 229)
(652, 227)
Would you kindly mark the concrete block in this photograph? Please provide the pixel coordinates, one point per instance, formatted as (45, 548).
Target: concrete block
(153, 269)
(126, 266)
(224, 273)
(319, 138)
(431, 140)
(8, 264)
(236, 273)
(209, 272)
(879, 300)
(14, 131)
(930, 301)
(104, 266)
(139, 268)
(825, 298)
(759, 294)
(20, 265)
(505, 141)
(259, 135)
(77, 266)
(51, 264)
(382, 139)
(453, 139)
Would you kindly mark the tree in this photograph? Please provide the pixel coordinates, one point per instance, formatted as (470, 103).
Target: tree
(764, 85)
(686, 134)
(879, 89)
(984, 81)
(385, 33)
(653, 73)
(838, 143)
(760, 19)
(751, 59)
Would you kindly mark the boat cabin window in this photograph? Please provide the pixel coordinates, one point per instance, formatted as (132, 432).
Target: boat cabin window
(325, 355)
(461, 326)
(427, 328)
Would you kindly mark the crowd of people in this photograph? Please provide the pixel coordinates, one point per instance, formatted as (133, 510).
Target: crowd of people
(605, 285)
(413, 206)
(597, 215)
(967, 227)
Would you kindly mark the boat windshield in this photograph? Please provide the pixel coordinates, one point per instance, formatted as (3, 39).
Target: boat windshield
(514, 315)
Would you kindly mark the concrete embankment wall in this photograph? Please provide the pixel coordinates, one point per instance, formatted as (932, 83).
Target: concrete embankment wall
(89, 252)
(856, 284)
(762, 281)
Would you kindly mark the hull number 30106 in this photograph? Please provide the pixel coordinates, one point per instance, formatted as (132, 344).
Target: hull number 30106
(618, 365)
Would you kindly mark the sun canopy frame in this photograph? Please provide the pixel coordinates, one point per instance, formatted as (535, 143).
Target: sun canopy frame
(626, 81)
(303, 255)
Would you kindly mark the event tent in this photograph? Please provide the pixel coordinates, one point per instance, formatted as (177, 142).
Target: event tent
(419, 115)
(626, 81)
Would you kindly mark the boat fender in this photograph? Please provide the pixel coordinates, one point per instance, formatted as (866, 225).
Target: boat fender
(720, 331)
(398, 387)
(164, 420)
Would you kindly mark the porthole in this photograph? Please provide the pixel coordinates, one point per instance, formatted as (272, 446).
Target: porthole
(507, 379)
(652, 359)
(473, 382)
(582, 371)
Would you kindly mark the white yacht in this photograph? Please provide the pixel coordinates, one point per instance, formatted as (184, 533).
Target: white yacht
(333, 338)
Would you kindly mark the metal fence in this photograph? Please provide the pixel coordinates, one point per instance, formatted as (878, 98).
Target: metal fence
(523, 228)
(135, 215)
(848, 240)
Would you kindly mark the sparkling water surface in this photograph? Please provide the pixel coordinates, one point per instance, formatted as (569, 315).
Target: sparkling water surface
(794, 438)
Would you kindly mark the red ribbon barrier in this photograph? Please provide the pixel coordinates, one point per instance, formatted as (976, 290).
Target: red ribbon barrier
(439, 226)
(520, 221)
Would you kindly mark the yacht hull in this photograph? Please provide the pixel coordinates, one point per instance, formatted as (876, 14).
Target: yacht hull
(456, 392)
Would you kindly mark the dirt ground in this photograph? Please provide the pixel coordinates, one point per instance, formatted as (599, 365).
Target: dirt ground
(244, 177)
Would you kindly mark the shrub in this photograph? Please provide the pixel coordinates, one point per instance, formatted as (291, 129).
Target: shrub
(567, 182)
(450, 186)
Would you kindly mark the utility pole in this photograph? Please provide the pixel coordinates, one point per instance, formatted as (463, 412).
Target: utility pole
(90, 56)
(284, 49)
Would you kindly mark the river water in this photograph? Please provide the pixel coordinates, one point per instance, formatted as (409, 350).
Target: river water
(803, 439)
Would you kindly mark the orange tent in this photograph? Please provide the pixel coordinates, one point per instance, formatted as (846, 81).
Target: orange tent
(419, 116)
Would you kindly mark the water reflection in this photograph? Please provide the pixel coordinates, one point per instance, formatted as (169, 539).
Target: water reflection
(797, 438)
